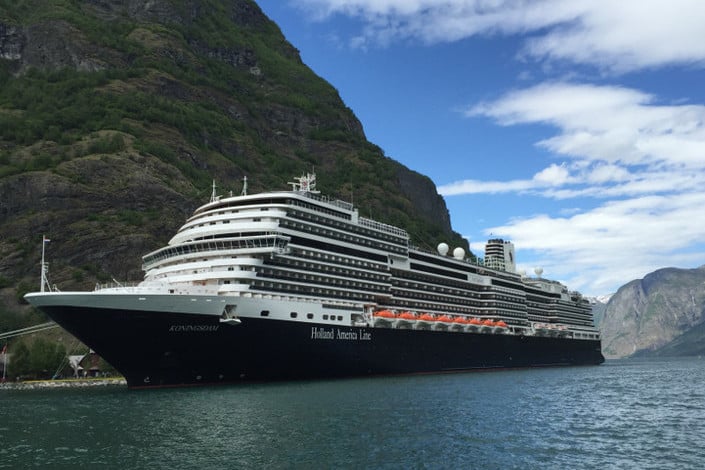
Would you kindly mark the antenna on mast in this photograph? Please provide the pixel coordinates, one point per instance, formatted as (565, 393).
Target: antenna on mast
(244, 186)
(213, 196)
(44, 281)
(306, 183)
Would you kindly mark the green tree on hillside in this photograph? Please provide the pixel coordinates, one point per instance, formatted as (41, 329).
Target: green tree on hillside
(37, 361)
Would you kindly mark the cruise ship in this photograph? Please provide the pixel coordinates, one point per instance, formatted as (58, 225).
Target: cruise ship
(291, 284)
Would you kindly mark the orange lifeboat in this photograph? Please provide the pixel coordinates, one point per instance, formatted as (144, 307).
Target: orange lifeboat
(474, 324)
(459, 323)
(443, 322)
(405, 320)
(487, 325)
(500, 327)
(384, 314)
(424, 321)
(383, 317)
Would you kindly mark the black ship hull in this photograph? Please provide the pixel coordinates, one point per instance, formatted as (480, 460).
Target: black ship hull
(153, 349)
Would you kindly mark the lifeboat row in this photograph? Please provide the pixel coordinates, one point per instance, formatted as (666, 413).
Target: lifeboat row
(549, 329)
(429, 321)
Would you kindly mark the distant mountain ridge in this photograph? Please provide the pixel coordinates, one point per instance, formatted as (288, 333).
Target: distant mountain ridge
(662, 314)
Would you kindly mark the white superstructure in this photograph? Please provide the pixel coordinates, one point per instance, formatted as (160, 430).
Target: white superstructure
(297, 247)
(499, 254)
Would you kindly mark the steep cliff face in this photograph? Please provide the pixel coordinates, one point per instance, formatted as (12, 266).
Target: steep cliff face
(115, 116)
(656, 313)
(598, 311)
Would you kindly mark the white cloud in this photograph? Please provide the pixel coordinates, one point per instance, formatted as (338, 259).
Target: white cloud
(607, 124)
(645, 161)
(552, 176)
(607, 173)
(620, 36)
(600, 181)
(629, 34)
(615, 242)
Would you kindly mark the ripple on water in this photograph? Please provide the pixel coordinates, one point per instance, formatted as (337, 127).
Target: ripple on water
(624, 414)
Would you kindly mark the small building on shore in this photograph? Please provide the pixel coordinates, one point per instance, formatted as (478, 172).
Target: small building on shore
(85, 365)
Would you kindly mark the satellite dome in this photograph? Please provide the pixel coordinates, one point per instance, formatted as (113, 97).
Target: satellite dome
(538, 271)
(442, 249)
(458, 253)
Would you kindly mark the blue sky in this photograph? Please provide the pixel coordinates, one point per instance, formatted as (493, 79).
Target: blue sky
(574, 128)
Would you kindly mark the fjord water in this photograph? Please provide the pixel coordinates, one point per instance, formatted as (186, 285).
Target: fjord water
(622, 414)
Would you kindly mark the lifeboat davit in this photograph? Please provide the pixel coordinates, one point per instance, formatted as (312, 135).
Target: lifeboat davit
(459, 324)
(474, 324)
(425, 321)
(406, 320)
(443, 322)
(383, 317)
(487, 326)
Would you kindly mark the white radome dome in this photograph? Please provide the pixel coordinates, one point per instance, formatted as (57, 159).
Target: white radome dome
(538, 271)
(458, 253)
(443, 249)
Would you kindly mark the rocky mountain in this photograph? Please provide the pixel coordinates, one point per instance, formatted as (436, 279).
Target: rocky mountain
(599, 306)
(661, 314)
(116, 115)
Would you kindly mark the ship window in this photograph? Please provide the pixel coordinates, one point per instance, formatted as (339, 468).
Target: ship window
(340, 318)
(309, 316)
(325, 316)
(293, 314)
(264, 313)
